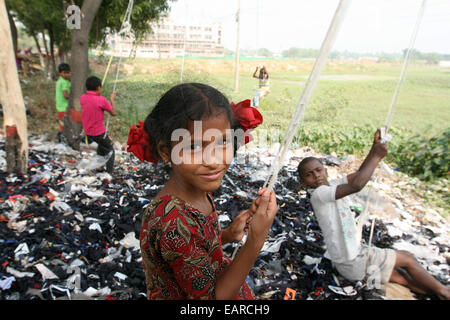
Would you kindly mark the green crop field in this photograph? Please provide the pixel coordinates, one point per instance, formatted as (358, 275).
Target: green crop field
(347, 95)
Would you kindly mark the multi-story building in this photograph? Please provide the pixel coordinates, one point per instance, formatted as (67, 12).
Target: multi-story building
(169, 40)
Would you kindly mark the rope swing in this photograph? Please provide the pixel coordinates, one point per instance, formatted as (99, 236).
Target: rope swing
(184, 42)
(307, 92)
(124, 32)
(385, 137)
(391, 111)
(299, 112)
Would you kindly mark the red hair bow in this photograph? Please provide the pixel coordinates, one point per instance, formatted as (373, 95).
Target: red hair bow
(248, 117)
(139, 144)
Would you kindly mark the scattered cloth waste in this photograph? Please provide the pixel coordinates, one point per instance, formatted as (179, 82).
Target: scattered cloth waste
(70, 233)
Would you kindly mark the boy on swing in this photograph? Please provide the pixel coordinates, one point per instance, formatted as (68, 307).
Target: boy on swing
(353, 260)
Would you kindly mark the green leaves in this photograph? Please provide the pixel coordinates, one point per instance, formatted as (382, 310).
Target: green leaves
(426, 158)
(331, 138)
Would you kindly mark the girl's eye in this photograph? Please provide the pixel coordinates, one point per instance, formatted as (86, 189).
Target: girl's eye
(196, 146)
(223, 142)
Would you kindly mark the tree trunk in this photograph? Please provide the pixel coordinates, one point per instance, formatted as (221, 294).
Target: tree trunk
(54, 74)
(45, 42)
(14, 116)
(47, 56)
(80, 69)
(12, 24)
(38, 46)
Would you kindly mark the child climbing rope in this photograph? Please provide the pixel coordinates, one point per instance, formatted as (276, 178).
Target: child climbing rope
(181, 240)
(353, 260)
(93, 106)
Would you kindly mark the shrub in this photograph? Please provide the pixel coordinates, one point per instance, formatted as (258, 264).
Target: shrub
(343, 141)
(426, 158)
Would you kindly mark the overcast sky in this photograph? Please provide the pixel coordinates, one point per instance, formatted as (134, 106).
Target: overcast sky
(369, 26)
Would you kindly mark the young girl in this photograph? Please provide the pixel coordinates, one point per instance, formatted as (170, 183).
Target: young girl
(181, 241)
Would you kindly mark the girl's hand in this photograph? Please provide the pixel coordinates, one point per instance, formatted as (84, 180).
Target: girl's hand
(237, 229)
(262, 211)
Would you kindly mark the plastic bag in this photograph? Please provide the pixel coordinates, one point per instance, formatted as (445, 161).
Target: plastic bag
(95, 162)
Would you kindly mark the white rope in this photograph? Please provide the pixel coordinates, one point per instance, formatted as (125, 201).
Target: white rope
(184, 43)
(393, 105)
(384, 135)
(307, 92)
(124, 32)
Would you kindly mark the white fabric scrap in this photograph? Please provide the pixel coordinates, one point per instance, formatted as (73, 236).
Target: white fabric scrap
(121, 276)
(224, 218)
(46, 272)
(95, 226)
(19, 274)
(394, 232)
(61, 206)
(5, 284)
(130, 241)
(274, 246)
(22, 249)
(345, 291)
(310, 260)
(97, 292)
(94, 195)
(79, 216)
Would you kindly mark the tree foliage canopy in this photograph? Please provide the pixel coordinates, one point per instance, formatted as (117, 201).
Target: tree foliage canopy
(50, 16)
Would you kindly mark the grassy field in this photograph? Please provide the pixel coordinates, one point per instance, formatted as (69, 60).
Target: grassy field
(347, 94)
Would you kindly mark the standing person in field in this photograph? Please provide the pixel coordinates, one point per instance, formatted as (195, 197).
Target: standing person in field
(263, 86)
(353, 260)
(62, 95)
(181, 240)
(93, 106)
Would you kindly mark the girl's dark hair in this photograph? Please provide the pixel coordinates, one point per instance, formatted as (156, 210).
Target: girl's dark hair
(92, 83)
(181, 104)
(303, 163)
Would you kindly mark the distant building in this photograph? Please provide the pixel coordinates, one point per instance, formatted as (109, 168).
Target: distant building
(170, 40)
(444, 63)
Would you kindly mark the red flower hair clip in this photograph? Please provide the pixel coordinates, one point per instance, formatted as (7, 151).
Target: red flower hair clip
(248, 117)
(139, 144)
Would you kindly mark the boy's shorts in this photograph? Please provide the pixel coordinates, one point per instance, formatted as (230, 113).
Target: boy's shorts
(373, 261)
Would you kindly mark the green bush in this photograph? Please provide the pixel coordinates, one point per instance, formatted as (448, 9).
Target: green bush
(426, 158)
(343, 141)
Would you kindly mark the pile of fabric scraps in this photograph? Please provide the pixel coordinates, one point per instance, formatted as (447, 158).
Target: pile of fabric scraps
(70, 231)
